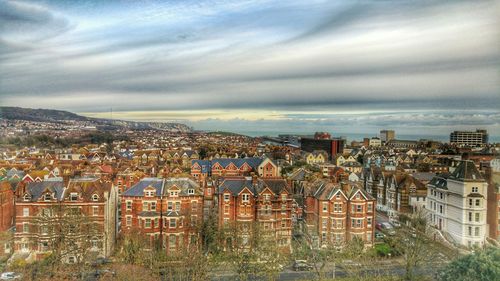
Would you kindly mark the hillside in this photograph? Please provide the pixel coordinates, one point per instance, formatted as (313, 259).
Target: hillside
(61, 116)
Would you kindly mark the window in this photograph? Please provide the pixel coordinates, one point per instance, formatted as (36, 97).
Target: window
(26, 212)
(95, 210)
(283, 197)
(470, 231)
(149, 193)
(226, 197)
(245, 198)
(95, 197)
(173, 223)
(145, 206)
(369, 222)
(283, 224)
(475, 189)
(324, 223)
(226, 209)
(190, 191)
(47, 197)
(267, 197)
(194, 206)
(26, 227)
(26, 197)
(337, 208)
(470, 216)
(129, 220)
(128, 205)
(170, 206)
(359, 208)
(147, 223)
(73, 196)
(325, 206)
(153, 206)
(44, 229)
(477, 217)
(177, 206)
(476, 231)
(370, 207)
(174, 193)
(478, 202)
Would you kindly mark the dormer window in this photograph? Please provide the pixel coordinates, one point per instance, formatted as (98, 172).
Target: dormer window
(245, 198)
(174, 193)
(267, 197)
(27, 197)
(73, 196)
(149, 193)
(283, 197)
(226, 197)
(95, 197)
(190, 191)
(475, 189)
(47, 197)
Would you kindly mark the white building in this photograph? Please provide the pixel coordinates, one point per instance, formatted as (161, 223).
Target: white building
(457, 204)
(375, 142)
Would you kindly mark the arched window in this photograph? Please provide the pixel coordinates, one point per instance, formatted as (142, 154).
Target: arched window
(47, 197)
(27, 197)
(95, 197)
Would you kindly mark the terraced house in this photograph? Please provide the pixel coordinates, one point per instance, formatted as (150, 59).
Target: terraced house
(72, 222)
(166, 210)
(336, 213)
(249, 200)
(264, 167)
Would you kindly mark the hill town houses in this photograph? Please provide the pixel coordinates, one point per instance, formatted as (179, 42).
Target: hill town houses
(78, 201)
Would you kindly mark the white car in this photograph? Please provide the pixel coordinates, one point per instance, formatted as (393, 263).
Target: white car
(10, 276)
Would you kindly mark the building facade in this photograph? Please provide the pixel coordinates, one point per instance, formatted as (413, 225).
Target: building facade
(457, 204)
(77, 219)
(469, 138)
(164, 210)
(338, 213)
(252, 200)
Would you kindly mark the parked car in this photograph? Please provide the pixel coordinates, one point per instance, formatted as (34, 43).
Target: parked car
(387, 228)
(301, 265)
(101, 261)
(396, 223)
(10, 276)
(379, 235)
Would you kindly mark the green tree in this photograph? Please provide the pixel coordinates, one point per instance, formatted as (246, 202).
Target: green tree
(483, 265)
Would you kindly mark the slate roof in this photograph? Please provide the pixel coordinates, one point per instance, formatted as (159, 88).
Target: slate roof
(236, 185)
(466, 171)
(440, 181)
(138, 188)
(184, 184)
(36, 189)
(162, 185)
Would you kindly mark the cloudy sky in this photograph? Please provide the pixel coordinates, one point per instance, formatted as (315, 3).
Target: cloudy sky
(420, 67)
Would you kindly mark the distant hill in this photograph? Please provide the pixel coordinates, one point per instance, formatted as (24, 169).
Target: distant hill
(61, 116)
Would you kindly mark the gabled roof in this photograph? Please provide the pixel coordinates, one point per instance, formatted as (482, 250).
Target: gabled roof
(36, 189)
(466, 171)
(138, 188)
(236, 185)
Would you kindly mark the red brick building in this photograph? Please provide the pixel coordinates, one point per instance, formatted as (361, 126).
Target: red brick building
(6, 206)
(266, 201)
(169, 210)
(336, 213)
(264, 167)
(83, 214)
